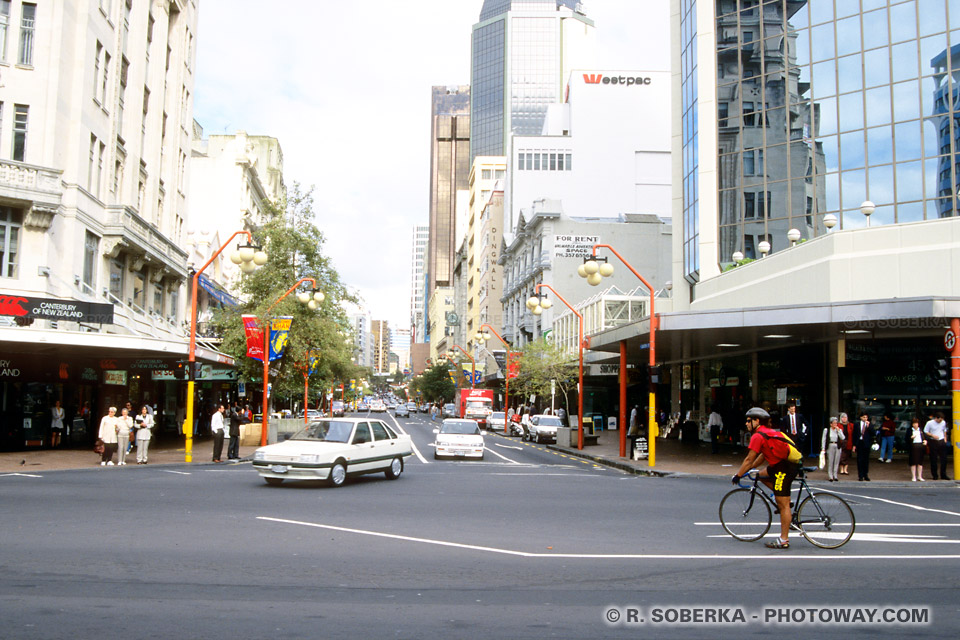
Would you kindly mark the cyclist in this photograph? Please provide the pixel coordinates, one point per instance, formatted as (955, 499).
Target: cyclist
(783, 458)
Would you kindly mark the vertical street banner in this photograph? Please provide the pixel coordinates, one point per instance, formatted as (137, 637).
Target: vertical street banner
(314, 361)
(279, 334)
(254, 337)
(514, 364)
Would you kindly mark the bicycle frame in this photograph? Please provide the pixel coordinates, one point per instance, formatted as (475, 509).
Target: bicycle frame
(758, 488)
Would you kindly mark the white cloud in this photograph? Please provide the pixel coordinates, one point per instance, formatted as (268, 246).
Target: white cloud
(345, 87)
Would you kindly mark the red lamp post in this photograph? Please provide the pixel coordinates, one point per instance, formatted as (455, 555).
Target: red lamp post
(536, 305)
(304, 297)
(249, 257)
(506, 391)
(594, 272)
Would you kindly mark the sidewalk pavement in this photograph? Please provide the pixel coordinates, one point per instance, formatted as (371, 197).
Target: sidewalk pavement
(672, 459)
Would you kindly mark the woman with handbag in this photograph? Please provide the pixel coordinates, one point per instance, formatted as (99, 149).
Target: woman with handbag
(917, 440)
(830, 445)
(144, 425)
(845, 453)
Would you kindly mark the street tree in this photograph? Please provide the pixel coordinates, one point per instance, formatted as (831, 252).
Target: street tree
(434, 384)
(542, 362)
(294, 245)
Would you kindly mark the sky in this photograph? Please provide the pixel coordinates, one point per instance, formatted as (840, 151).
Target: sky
(345, 88)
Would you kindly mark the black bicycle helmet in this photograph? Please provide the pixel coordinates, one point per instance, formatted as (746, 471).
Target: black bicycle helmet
(758, 413)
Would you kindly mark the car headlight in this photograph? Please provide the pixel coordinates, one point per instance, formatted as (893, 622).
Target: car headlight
(259, 455)
(309, 458)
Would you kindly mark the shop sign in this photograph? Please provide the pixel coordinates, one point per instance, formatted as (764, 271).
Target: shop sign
(54, 309)
(7, 370)
(153, 364)
(88, 374)
(115, 376)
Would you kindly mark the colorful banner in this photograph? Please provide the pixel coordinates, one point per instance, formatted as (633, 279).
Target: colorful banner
(279, 333)
(314, 361)
(254, 337)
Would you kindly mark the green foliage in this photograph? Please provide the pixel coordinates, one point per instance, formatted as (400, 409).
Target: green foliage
(294, 246)
(541, 362)
(434, 385)
(734, 265)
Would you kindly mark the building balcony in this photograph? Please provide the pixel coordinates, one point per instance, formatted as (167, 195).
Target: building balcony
(37, 189)
(127, 232)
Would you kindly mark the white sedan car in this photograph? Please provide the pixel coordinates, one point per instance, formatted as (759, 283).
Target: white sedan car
(543, 427)
(333, 448)
(458, 438)
(496, 421)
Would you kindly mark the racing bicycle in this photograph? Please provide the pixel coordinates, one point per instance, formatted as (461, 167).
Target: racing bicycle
(824, 519)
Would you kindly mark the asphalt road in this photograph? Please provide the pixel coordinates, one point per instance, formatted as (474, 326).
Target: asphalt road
(525, 544)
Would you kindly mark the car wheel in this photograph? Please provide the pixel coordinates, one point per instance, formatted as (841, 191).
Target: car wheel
(338, 474)
(274, 482)
(396, 468)
(435, 456)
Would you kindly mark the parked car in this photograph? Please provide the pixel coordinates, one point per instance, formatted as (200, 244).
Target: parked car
(333, 448)
(312, 414)
(458, 438)
(450, 411)
(496, 421)
(401, 411)
(543, 428)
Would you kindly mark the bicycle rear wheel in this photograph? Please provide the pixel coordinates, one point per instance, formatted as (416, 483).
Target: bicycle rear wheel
(745, 516)
(826, 520)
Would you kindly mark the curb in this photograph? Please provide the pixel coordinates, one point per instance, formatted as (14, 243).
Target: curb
(615, 464)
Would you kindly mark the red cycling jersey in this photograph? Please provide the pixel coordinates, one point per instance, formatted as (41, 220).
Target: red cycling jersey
(774, 446)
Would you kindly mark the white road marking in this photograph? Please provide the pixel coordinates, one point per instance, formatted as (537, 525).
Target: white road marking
(414, 446)
(179, 473)
(22, 475)
(777, 557)
(899, 504)
(506, 446)
(861, 524)
(502, 456)
(897, 538)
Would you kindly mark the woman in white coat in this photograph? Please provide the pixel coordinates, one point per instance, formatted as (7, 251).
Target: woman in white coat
(124, 426)
(831, 444)
(108, 434)
(144, 425)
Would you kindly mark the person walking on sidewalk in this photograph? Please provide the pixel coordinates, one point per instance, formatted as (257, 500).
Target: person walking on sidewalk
(917, 440)
(831, 445)
(124, 429)
(233, 450)
(108, 434)
(144, 426)
(888, 429)
(936, 430)
(216, 427)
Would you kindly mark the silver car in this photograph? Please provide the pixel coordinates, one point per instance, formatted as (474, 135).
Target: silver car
(543, 428)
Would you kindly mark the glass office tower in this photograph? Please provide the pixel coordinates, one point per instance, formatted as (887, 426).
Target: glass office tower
(820, 105)
(521, 52)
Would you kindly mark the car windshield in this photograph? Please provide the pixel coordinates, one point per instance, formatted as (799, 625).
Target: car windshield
(467, 428)
(549, 421)
(326, 431)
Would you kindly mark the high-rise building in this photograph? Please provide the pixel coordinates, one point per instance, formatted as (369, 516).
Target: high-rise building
(449, 170)
(484, 231)
(380, 341)
(360, 323)
(418, 282)
(95, 125)
(522, 54)
(400, 345)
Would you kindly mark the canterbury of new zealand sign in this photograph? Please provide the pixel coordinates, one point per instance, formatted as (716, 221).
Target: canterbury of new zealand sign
(53, 309)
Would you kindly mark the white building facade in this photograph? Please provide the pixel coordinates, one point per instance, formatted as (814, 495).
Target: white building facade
(418, 282)
(94, 152)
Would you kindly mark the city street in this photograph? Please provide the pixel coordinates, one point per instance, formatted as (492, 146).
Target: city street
(527, 543)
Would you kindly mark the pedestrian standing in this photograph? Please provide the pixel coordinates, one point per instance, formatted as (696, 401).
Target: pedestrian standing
(831, 446)
(715, 422)
(124, 435)
(216, 427)
(56, 424)
(888, 429)
(233, 451)
(144, 434)
(863, 436)
(936, 430)
(108, 434)
(917, 440)
(846, 452)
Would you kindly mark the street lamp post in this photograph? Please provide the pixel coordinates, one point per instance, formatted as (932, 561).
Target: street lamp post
(473, 363)
(481, 336)
(589, 268)
(312, 300)
(305, 370)
(249, 257)
(536, 305)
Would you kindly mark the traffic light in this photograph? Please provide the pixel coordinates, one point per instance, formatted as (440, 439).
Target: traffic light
(942, 374)
(180, 369)
(197, 368)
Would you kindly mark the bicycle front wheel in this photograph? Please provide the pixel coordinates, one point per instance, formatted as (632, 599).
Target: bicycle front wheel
(826, 520)
(745, 516)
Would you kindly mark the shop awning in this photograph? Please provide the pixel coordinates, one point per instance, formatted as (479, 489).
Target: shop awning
(217, 292)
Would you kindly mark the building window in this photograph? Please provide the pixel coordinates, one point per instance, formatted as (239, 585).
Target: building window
(96, 72)
(485, 174)
(105, 79)
(4, 28)
(90, 162)
(140, 289)
(90, 245)
(100, 153)
(116, 279)
(174, 298)
(10, 221)
(28, 17)
(20, 116)
(157, 299)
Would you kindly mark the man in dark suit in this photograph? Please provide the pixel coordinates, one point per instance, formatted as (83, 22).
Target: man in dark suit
(863, 437)
(794, 425)
(233, 450)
